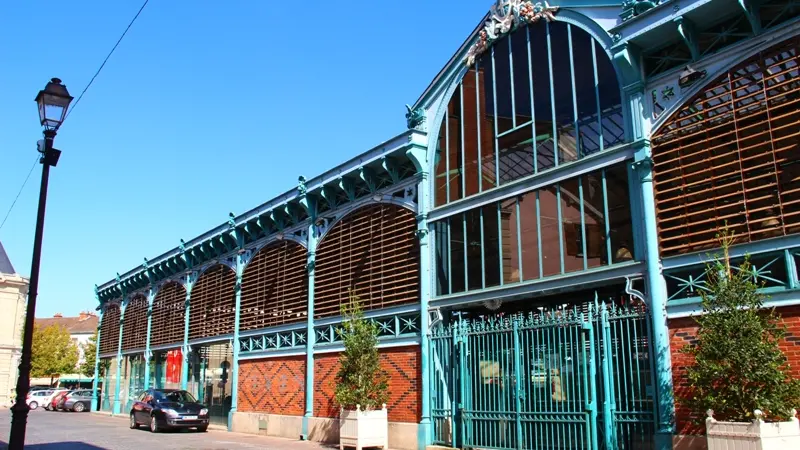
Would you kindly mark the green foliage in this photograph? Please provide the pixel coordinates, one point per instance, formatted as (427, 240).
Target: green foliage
(739, 366)
(52, 352)
(89, 354)
(360, 380)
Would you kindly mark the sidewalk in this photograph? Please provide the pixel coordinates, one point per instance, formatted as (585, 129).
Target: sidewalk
(218, 432)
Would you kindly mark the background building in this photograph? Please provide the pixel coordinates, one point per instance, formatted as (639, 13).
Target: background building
(531, 248)
(13, 292)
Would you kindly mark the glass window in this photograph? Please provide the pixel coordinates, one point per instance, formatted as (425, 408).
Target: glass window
(594, 219)
(572, 231)
(457, 263)
(549, 226)
(542, 95)
(509, 220)
(491, 247)
(442, 259)
(619, 213)
(475, 244)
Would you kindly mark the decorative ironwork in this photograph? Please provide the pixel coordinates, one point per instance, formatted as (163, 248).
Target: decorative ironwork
(394, 326)
(279, 340)
(415, 117)
(543, 372)
(504, 17)
(633, 8)
(767, 270)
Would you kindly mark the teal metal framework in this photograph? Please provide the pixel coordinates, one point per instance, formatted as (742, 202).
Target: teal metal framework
(576, 378)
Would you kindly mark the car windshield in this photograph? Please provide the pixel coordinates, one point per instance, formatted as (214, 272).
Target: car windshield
(177, 397)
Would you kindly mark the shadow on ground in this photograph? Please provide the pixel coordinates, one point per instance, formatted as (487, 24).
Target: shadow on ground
(69, 445)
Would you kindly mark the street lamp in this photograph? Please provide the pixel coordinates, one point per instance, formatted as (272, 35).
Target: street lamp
(53, 102)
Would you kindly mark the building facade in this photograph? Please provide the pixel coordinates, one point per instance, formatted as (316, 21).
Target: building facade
(13, 292)
(531, 249)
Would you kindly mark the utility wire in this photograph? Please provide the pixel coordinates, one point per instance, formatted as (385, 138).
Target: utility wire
(20, 191)
(106, 60)
(76, 103)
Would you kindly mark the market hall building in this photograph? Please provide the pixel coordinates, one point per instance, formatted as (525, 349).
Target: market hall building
(531, 247)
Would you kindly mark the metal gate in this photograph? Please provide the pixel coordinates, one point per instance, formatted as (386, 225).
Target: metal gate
(579, 378)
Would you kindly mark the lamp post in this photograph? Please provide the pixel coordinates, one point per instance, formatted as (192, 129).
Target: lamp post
(53, 102)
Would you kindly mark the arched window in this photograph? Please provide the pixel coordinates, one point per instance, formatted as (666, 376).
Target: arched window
(212, 310)
(542, 96)
(373, 253)
(167, 323)
(109, 329)
(134, 329)
(729, 156)
(275, 287)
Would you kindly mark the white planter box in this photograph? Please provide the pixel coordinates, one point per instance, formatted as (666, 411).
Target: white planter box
(360, 429)
(755, 435)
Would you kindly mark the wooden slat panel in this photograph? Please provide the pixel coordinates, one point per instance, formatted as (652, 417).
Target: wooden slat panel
(167, 323)
(275, 287)
(109, 329)
(729, 156)
(213, 302)
(373, 252)
(134, 328)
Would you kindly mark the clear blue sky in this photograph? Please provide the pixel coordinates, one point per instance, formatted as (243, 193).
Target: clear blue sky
(205, 108)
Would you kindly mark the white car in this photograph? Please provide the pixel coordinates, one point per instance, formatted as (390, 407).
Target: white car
(36, 398)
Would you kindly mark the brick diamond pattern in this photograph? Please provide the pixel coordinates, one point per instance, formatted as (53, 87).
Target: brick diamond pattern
(274, 386)
(402, 364)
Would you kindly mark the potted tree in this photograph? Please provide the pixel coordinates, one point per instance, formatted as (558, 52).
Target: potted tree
(740, 376)
(361, 385)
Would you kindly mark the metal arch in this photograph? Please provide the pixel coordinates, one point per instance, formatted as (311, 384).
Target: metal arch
(269, 241)
(737, 56)
(166, 281)
(344, 212)
(134, 295)
(434, 125)
(207, 267)
(588, 25)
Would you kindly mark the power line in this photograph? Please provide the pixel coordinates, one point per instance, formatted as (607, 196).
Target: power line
(20, 191)
(76, 103)
(106, 60)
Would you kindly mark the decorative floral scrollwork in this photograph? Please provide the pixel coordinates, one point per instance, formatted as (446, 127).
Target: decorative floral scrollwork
(504, 17)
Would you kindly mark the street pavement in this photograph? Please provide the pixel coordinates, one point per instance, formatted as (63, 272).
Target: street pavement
(72, 431)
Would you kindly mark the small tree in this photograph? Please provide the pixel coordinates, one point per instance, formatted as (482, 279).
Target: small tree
(52, 352)
(360, 380)
(89, 354)
(739, 366)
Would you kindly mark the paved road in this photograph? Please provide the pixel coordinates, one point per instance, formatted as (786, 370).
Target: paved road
(72, 431)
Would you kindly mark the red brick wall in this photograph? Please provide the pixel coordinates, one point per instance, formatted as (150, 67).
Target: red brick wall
(402, 364)
(683, 331)
(273, 385)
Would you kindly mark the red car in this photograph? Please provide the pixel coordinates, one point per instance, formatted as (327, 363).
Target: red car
(56, 399)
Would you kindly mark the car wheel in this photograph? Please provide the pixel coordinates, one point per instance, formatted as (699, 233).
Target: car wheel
(134, 425)
(79, 407)
(202, 429)
(33, 405)
(154, 425)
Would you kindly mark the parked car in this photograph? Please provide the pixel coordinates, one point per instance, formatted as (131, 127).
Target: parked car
(38, 397)
(163, 409)
(57, 399)
(65, 404)
(48, 401)
(78, 401)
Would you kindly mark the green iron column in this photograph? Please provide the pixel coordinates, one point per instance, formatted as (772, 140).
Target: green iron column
(117, 406)
(417, 153)
(185, 349)
(94, 406)
(148, 355)
(657, 295)
(310, 334)
(241, 260)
